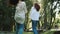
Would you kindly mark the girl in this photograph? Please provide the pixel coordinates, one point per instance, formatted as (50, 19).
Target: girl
(34, 16)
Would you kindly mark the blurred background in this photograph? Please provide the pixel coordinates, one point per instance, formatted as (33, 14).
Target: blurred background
(49, 20)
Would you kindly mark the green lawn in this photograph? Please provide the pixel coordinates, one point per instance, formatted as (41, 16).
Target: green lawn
(28, 33)
(47, 32)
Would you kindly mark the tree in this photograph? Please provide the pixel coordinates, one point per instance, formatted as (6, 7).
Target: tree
(6, 15)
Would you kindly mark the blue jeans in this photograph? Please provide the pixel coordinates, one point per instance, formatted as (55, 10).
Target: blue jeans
(34, 24)
(19, 28)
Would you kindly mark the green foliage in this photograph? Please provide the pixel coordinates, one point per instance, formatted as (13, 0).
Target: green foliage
(7, 13)
(29, 4)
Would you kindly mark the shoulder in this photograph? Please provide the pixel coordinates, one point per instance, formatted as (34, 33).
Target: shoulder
(32, 7)
(23, 3)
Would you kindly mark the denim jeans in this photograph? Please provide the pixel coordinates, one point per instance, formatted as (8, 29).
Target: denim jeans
(19, 28)
(34, 24)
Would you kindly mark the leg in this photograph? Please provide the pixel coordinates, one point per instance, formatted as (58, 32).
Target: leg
(17, 28)
(34, 24)
(21, 29)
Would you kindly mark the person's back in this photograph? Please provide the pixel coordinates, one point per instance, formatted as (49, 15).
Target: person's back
(34, 14)
(19, 17)
(20, 11)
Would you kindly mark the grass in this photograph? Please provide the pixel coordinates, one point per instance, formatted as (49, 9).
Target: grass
(28, 33)
(46, 32)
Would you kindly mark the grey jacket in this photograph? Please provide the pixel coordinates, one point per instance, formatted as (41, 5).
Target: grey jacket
(21, 10)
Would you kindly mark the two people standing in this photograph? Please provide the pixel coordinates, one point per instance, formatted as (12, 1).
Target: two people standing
(19, 17)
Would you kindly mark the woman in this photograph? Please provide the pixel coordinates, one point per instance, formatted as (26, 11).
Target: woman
(21, 10)
(34, 16)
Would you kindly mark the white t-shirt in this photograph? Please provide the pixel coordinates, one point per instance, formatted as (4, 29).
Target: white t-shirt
(34, 14)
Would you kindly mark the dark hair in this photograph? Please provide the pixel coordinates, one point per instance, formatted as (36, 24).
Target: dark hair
(22, 0)
(37, 6)
(13, 2)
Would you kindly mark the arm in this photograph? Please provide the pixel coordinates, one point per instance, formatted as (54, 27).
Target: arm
(25, 8)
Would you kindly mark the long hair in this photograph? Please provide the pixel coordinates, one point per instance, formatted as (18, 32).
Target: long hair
(37, 6)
